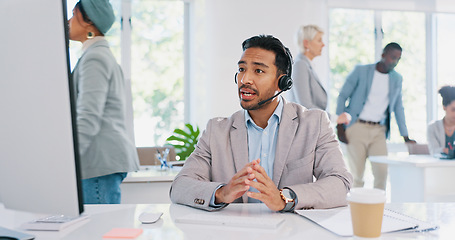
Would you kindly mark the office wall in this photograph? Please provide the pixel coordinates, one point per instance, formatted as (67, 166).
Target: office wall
(218, 27)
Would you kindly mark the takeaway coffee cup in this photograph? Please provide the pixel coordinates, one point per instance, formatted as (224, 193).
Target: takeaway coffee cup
(367, 209)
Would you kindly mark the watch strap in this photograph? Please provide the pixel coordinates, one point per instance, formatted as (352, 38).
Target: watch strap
(290, 202)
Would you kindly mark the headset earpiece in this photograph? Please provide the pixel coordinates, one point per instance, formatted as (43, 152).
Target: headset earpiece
(285, 83)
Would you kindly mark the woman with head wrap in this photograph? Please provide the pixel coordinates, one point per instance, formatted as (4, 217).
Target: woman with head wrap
(107, 151)
(440, 132)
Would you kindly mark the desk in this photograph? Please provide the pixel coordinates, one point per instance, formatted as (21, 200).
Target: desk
(148, 185)
(105, 217)
(419, 178)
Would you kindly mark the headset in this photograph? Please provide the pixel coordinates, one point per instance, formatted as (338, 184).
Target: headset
(285, 81)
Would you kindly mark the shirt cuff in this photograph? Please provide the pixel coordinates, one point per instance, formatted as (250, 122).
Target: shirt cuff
(212, 200)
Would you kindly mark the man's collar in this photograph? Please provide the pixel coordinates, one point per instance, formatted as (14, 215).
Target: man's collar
(278, 112)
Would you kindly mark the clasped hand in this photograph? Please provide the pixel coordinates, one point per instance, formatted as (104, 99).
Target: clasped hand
(244, 179)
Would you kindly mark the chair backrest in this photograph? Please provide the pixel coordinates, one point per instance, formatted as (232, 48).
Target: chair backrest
(147, 155)
(418, 149)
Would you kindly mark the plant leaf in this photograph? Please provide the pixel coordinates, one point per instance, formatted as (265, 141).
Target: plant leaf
(184, 140)
(183, 133)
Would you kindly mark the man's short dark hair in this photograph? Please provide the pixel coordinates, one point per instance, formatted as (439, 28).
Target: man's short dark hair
(392, 46)
(283, 57)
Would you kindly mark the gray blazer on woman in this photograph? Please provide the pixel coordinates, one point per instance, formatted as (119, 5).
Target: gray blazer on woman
(306, 147)
(104, 144)
(436, 137)
(307, 90)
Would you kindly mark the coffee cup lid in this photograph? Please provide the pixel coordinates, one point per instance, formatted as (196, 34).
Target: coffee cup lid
(366, 195)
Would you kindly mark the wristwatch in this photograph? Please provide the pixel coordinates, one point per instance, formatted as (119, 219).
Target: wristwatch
(288, 197)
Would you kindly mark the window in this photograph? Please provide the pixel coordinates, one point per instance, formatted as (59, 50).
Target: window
(408, 29)
(351, 42)
(445, 71)
(157, 69)
(153, 60)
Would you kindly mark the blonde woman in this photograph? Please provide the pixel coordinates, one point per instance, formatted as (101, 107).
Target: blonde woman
(307, 89)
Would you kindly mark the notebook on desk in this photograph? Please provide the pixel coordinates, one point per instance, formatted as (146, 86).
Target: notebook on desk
(231, 221)
(338, 221)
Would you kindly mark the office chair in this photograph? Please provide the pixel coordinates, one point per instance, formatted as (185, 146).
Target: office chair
(147, 155)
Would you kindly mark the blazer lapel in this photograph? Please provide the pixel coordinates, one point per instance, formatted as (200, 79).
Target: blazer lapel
(286, 133)
(392, 88)
(370, 75)
(313, 74)
(239, 143)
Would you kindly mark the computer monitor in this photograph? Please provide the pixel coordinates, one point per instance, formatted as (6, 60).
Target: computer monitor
(39, 158)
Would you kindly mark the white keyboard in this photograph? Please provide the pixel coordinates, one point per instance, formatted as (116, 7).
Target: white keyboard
(57, 219)
(233, 221)
(53, 223)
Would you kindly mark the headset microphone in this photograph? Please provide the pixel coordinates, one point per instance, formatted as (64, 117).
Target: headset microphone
(264, 101)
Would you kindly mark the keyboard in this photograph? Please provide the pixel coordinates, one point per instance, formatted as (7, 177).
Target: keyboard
(57, 219)
(233, 221)
(53, 223)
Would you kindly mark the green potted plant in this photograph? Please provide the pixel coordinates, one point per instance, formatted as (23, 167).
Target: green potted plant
(184, 141)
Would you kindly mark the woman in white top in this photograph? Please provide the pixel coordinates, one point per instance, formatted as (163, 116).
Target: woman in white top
(440, 132)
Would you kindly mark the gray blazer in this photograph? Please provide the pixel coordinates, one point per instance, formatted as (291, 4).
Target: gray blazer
(306, 147)
(307, 90)
(104, 144)
(356, 90)
(436, 137)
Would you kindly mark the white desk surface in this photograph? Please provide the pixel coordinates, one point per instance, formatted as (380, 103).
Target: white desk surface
(152, 174)
(150, 184)
(402, 158)
(105, 217)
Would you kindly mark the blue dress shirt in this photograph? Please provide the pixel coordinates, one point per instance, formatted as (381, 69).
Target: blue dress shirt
(262, 142)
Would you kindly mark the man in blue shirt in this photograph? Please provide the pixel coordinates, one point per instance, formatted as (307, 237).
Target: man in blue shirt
(271, 151)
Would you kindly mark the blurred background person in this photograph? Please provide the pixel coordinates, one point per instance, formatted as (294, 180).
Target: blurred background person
(107, 151)
(307, 89)
(440, 132)
(373, 92)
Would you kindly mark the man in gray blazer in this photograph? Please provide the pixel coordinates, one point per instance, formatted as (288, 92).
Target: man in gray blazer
(273, 151)
(373, 92)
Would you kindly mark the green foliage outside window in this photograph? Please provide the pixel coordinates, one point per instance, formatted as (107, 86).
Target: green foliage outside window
(157, 67)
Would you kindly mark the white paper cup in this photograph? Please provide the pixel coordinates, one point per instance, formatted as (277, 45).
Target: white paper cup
(367, 210)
